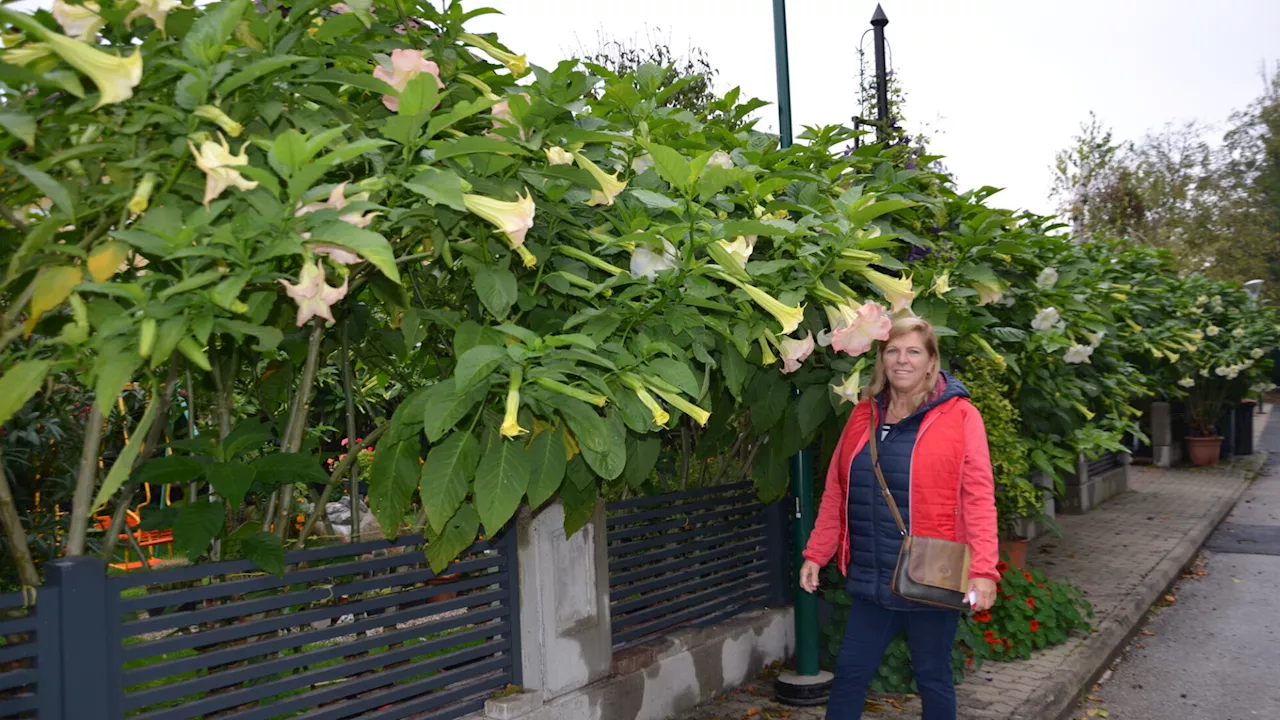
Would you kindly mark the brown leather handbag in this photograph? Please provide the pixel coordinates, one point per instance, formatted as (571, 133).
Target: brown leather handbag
(931, 571)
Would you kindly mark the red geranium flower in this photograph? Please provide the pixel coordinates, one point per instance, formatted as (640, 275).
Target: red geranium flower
(1008, 645)
(1035, 626)
(1002, 566)
(1031, 603)
(989, 636)
(1027, 575)
(982, 617)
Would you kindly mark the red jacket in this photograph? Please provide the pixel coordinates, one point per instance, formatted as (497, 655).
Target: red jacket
(952, 490)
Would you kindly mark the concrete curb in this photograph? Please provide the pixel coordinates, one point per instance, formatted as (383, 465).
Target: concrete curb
(1058, 697)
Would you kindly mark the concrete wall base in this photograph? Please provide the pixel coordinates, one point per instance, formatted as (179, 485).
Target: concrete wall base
(1085, 492)
(668, 676)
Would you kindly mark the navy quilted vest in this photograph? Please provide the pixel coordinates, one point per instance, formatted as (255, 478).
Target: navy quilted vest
(874, 539)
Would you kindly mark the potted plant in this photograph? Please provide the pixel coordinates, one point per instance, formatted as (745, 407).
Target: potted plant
(1223, 357)
(1017, 500)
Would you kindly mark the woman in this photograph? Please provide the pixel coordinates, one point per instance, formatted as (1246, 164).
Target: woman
(933, 453)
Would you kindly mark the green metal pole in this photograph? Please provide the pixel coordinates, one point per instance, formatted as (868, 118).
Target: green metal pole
(801, 526)
(784, 72)
(806, 605)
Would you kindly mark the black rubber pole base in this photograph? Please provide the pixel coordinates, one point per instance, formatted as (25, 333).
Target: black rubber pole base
(803, 690)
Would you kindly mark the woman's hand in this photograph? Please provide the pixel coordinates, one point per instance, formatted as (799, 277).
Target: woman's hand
(809, 577)
(985, 588)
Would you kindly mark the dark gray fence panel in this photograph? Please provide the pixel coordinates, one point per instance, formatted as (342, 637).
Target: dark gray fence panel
(1105, 463)
(29, 677)
(366, 630)
(363, 630)
(692, 558)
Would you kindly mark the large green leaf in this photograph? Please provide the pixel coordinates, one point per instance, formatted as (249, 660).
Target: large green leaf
(406, 421)
(472, 144)
(579, 504)
(769, 395)
(392, 480)
(501, 480)
(440, 186)
(476, 364)
(670, 164)
(497, 290)
(446, 477)
(444, 407)
(45, 183)
(249, 435)
(123, 465)
(812, 410)
(264, 550)
(642, 456)
(20, 125)
(677, 373)
(367, 244)
(286, 468)
(196, 525)
(231, 480)
(602, 441)
(546, 466)
(19, 384)
(255, 70)
(458, 535)
(204, 42)
(169, 469)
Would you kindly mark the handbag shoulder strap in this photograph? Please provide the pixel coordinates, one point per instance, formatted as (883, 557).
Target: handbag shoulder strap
(875, 465)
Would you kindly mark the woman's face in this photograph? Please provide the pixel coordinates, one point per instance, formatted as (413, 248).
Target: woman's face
(907, 363)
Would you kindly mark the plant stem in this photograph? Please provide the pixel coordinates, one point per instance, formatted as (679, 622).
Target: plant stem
(335, 478)
(298, 422)
(222, 408)
(16, 535)
(685, 458)
(148, 449)
(87, 478)
(351, 425)
(7, 214)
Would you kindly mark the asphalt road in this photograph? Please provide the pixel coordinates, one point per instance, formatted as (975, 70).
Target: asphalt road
(1214, 652)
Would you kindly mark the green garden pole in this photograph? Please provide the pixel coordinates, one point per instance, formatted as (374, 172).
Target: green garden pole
(801, 525)
(784, 72)
(807, 685)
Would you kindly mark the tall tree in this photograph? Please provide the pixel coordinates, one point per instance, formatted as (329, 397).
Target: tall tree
(1215, 207)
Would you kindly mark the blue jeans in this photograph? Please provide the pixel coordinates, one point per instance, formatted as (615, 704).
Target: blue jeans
(930, 636)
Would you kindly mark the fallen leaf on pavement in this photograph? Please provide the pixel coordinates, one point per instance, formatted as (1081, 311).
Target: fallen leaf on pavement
(1103, 713)
(752, 712)
(1170, 599)
(1235, 579)
(1147, 632)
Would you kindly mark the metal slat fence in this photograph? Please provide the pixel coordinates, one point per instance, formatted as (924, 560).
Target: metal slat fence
(363, 630)
(692, 558)
(1106, 463)
(28, 639)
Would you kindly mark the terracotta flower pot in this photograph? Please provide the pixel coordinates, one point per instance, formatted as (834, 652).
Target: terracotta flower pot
(1204, 451)
(441, 580)
(1016, 550)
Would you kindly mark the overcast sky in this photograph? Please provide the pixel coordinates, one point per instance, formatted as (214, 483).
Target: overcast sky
(1002, 84)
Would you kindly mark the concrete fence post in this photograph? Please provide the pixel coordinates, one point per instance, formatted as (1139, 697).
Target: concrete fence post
(1163, 452)
(566, 639)
(90, 668)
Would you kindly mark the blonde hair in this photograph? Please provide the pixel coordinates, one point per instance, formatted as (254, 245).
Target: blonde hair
(880, 377)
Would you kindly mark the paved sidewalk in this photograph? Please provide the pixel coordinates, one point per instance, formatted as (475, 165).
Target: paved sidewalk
(1122, 555)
